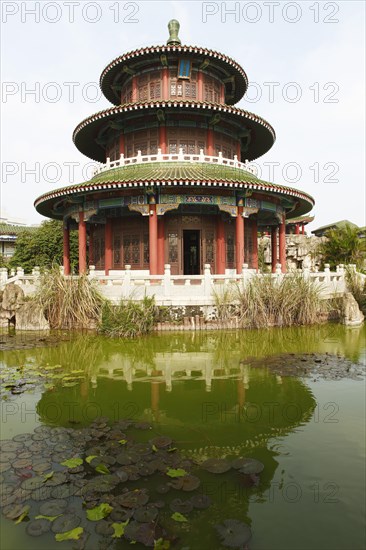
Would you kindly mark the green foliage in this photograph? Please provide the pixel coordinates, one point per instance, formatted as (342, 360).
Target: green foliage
(74, 534)
(43, 247)
(69, 302)
(99, 512)
(356, 284)
(129, 319)
(4, 262)
(343, 246)
(266, 301)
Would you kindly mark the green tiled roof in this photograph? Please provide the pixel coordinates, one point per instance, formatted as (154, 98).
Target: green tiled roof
(170, 174)
(8, 229)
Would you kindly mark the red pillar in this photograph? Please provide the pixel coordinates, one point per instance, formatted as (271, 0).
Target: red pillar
(274, 248)
(210, 142)
(134, 88)
(303, 229)
(66, 259)
(220, 246)
(297, 229)
(282, 244)
(153, 240)
(108, 246)
(162, 139)
(254, 236)
(200, 86)
(82, 244)
(91, 245)
(239, 240)
(165, 83)
(161, 242)
(122, 144)
(238, 150)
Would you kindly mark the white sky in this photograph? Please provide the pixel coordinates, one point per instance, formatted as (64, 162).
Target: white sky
(322, 51)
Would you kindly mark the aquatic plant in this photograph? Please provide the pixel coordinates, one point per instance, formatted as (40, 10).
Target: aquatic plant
(129, 319)
(267, 301)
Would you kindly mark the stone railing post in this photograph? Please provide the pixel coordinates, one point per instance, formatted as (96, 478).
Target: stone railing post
(159, 156)
(245, 275)
(138, 157)
(122, 160)
(3, 275)
(126, 284)
(180, 154)
(62, 271)
(91, 271)
(278, 269)
(306, 272)
(12, 272)
(36, 272)
(20, 272)
(202, 156)
(207, 281)
(167, 281)
(327, 274)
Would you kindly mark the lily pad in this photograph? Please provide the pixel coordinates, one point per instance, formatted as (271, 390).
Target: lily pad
(134, 499)
(73, 534)
(119, 529)
(161, 442)
(42, 493)
(99, 512)
(251, 466)
(32, 483)
(72, 462)
(216, 465)
(65, 523)
(144, 533)
(190, 483)
(63, 491)
(176, 472)
(14, 511)
(37, 527)
(179, 517)
(201, 502)
(145, 514)
(234, 533)
(104, 528)
(53, 507)
(181, 506)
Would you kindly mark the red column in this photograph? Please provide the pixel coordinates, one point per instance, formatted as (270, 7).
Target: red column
(238, 150)
(239, 240)
(303, 229)
(297, 229)
(153, 240)
(274, 248)
(91, 245)
(282, 244)
(220, 246)
(122, 144)
(165, 83)
(210, 142)
(66, 259)
(162, 139)
(134, 88)
(161, 242)
(108, 246)
(200, 85)
(254, 235)
(82, 244)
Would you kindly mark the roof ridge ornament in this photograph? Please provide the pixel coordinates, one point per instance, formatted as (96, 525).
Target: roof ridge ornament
(173, 27)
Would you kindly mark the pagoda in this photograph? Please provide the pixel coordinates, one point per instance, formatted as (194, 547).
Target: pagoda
(174, 185)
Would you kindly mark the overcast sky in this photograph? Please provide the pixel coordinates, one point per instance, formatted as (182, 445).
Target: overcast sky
(305, 61)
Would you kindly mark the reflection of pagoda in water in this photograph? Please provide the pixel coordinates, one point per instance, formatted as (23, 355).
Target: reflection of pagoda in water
(175, 187)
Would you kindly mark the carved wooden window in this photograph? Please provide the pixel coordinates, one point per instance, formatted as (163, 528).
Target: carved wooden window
(212, 90)
(210, 248)
(173, 248)
(117, 250)
(172, 147)
(127, 253)
(173, 89)
(230, 251)
(126, 94)
(135, 243)
(180, 90)
(146, 254)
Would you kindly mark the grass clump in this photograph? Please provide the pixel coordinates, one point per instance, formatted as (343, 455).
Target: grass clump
(267, 301)
(129, 319)
(356, 284)
(69, 302)
(224, 297)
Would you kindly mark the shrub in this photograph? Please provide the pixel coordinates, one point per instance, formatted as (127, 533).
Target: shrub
(266, 301)
(69, 302)
(129, 319)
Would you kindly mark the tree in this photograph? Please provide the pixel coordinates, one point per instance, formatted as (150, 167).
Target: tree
(43, 247)
(343, 246)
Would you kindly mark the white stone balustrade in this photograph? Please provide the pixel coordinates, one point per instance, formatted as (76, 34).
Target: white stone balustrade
(181, 290)
(175, 157)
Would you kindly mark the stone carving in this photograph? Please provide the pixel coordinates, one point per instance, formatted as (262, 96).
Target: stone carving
(25, 315)
(351, 315)
(30, 317)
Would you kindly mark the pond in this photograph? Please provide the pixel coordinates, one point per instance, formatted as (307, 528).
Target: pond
(148, 410)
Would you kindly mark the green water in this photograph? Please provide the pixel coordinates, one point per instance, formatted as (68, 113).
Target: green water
(193, 387)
